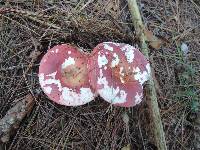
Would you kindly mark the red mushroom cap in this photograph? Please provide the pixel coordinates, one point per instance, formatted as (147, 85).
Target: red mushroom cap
(63, 76)
(117, 72)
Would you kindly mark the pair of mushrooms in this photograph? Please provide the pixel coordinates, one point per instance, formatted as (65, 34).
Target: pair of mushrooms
(114, 71)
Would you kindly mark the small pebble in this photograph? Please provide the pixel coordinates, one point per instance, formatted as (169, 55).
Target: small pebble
(184, 48)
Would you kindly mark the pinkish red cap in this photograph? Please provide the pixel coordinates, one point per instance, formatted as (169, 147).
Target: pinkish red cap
(117, 72)
(63, 76)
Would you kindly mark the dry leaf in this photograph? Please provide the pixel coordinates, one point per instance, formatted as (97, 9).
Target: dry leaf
(127, 147)
(154, 41)
(11, 121)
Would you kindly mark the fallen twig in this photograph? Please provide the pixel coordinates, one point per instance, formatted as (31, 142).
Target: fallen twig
(159, 135)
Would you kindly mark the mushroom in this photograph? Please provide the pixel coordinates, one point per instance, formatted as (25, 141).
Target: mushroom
(63, 76)
(118, 72)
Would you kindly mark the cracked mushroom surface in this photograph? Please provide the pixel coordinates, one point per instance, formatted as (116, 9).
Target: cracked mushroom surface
(63, 76)
(118, 72)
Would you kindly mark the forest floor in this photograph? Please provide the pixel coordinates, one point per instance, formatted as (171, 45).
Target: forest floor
(28, 29)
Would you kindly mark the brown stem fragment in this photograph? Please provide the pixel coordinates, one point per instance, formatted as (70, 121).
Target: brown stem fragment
(159, 135)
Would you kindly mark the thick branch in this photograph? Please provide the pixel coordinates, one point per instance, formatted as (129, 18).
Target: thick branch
(159, 135)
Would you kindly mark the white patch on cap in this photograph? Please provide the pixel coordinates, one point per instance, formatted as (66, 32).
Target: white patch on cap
(116, 60)
(48, 89)
(102, 60)
(138, 98)
(107, 42)
(69, 61)
(148, 69)
(53, 75)
(41, 79)
(105, 67)
(108, 47)
(44, 82)
(110, 94)
(140, 76)
(57, 50)
(69, 52)
(121, 74)
(116, 44)
(68, 97)
(129, 52)
(71, 98)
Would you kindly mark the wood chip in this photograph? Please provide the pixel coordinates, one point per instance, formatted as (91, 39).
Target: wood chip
(11, 121)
